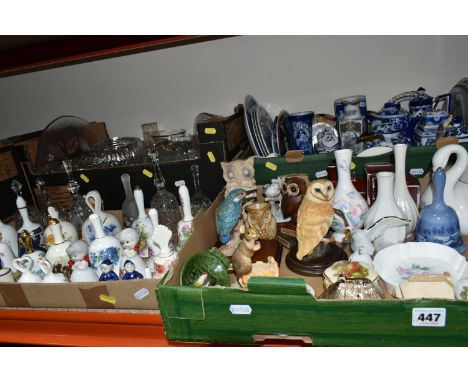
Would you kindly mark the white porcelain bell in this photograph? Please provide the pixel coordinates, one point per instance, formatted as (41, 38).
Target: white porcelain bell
(57, 253)
(24, 265)
(6, 256)
(142, 225)
(103, 247)
(25, 239)
(167, 255)
(69, 231)
(83, 273)
(9, 236)
(110, 224)
(36, 231)
(184, 227)
(49, 275)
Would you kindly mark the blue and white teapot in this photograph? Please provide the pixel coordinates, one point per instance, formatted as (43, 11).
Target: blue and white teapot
(391, 122)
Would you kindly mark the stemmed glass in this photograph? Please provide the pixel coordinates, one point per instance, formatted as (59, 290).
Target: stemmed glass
(79, 210)
(198, 200)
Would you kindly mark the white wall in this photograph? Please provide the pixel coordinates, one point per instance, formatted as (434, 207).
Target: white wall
(172, 86)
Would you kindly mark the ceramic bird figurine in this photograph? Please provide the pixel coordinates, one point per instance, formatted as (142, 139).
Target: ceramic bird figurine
(362, 239)
(228, 213)
(315, 216)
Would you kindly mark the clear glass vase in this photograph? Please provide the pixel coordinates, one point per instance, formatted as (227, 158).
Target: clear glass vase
(199, 200)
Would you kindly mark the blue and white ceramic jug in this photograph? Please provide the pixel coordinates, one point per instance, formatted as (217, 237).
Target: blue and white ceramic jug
(439, 222)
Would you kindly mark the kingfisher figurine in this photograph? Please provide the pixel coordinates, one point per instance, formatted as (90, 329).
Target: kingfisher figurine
(228, 214)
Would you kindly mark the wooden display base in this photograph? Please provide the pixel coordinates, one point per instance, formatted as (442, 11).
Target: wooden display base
(312, 265)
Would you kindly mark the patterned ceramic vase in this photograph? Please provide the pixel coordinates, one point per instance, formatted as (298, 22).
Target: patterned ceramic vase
(347, 198)
(260, 218)
(439, 223)
(300, 131)
(103, 247)
(383, 206)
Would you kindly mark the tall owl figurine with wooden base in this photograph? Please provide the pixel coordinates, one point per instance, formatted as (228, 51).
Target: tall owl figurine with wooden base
(315, 216)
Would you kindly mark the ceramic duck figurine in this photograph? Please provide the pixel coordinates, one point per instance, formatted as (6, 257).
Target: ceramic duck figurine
(129, 240)
(49, 275)
(107, 271)
(455, 191)
(228, 214)
(103, 247)
(83, 273)
(439, 222)
(77, 251)
(142, 225)
(184, 227)
(24, 265)
(167, 256)
(110, 224)
(130, 272)
(57, 252)
(26, 241)
(36, 231)
(69, 231)
(9, 236)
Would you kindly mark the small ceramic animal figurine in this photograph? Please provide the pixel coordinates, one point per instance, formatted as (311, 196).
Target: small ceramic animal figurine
(273, 195)
(110, 224)
(228, 214)
(77, 251)
(184, 227)
(293, 189)
(107, 271)
(167, 256)
(362, 239)
(37, 233)
(129, 240)
(130, 272)
(9, 236)
(142, 225)
(49, 275)
(261, 269)
(260, 218)
(26, 241)
(439, 222)
(315, 216)
(103, 247)
(83, 273)
(24, 265)
(57, 252)
(242, 256)
(239, 174)
(69, 231)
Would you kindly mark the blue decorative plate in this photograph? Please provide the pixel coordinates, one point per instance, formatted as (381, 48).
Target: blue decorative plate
(266, 125)
(257, 133)
(249, 104)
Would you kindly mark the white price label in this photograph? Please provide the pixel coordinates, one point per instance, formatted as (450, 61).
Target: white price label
(416, 171)
(434, 317)
(141, 294)
(240, 309)
(321, 174)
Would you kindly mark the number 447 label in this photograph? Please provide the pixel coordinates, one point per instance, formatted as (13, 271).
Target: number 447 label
(429, 317)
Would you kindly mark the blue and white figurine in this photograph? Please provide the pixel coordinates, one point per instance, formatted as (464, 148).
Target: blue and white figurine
(439, 222)
(130, 272)
(228, 214)
(107, 271)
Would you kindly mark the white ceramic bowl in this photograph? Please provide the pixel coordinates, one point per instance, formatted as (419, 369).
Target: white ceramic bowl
(397, 262)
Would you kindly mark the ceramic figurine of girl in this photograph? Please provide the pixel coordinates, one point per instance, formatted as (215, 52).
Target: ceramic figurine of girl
(130, 272)
(77, 251)
(107, 271)
(129, 240)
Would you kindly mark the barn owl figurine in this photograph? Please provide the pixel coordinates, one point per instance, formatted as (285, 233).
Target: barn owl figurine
(315, 216)
(239, 174)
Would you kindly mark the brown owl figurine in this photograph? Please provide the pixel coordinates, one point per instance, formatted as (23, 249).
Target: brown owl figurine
(293, 189)
(315, 216)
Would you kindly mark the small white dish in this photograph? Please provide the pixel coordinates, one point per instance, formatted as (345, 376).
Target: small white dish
(396, 263)
(375, 151)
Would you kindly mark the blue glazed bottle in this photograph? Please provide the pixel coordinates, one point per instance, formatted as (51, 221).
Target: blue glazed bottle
(438, 223)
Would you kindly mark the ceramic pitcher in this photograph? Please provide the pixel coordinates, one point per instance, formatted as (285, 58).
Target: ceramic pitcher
(456, 191)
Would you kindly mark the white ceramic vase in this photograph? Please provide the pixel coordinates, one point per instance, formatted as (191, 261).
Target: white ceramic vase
(142, 225)
(456, 191)
(69, 231)
(383, 206)
(400, 190)
(9, 236)
(103, 247)
(347, 198)
(57, 252)
(110, 224)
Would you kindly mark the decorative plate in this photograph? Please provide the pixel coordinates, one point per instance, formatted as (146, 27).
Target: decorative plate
(257, 134)
(396, 263)
(266, 126)
(249, 104)
(282, 132)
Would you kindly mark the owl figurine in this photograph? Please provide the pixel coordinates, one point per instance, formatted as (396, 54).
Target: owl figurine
(293, 189)
(315, 216)
(228, 214)
(239, 174)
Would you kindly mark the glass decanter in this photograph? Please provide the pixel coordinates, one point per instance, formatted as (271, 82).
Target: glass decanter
(35, 215)
(164, 201)
(79, 210)
(199, 200)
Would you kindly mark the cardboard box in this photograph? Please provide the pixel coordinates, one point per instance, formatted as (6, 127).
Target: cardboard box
(282, 308)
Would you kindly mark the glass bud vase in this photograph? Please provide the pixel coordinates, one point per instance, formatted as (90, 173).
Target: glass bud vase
(199, 200)
(347, 199)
